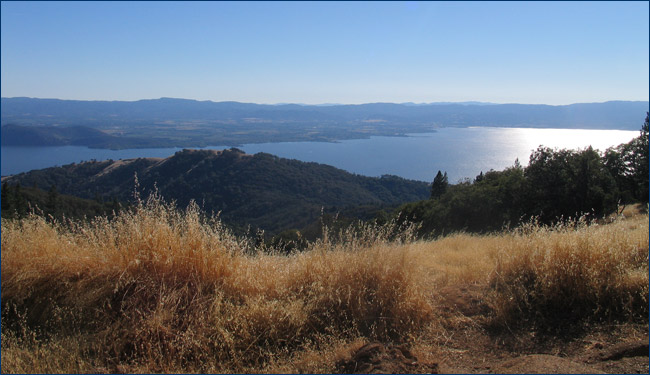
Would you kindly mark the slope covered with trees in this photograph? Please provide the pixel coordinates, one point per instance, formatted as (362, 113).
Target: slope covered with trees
(261, 190)
(18, 202)
(556, 185)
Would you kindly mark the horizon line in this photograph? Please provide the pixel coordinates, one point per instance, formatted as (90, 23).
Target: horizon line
(466, 102)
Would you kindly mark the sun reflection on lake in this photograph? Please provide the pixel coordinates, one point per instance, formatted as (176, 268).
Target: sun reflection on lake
(461, 152)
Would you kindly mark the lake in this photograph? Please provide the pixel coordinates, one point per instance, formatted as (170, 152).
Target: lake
(461, 152)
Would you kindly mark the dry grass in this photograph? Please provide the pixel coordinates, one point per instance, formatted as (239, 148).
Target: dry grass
(555, 275)
(158, 290)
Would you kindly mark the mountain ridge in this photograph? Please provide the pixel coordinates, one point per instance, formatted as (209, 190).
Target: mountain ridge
(49, 111)
(469, 102)
(260, 190)
(169, 122)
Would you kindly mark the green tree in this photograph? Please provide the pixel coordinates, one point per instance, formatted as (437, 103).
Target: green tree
(20, 202)
(4, 198)
(52, 198)
(642, 170)
(617, 167)
(595, 187)
(7, 201)
(628, 164)
(568, 183)
(439, 185)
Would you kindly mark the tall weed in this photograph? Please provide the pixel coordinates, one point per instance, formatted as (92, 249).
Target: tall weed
(163, 290)
(554, 276)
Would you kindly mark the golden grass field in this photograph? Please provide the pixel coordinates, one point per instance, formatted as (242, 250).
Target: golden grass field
(157, 290)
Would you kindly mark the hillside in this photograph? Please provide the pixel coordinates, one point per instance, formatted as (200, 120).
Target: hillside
(613, 114)
(168, 122)
(17, 135)
(156, 290)
(259, 190)
(18, 201)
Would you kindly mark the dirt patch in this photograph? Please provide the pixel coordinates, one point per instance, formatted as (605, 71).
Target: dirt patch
(122, 162)
(622, 357)
(464, 343)
(468, 300)
(543, 364)
(625, 349)
(375, 358)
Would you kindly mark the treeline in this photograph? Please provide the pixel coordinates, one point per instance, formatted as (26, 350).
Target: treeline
(17, 202)
(556, 185)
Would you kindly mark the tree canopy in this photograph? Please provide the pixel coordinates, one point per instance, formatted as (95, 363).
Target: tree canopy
(556, 185)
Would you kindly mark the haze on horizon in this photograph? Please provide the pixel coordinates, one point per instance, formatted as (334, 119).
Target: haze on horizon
(327, 52)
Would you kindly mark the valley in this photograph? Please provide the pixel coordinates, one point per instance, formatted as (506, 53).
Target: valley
(168, 122)
(298, 187)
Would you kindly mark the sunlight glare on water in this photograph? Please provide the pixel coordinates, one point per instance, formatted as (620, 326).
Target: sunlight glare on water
(574, 138)
(461, 152)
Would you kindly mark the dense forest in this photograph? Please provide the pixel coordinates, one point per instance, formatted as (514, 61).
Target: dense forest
(17, 201)
(261, 191)
(556, 185)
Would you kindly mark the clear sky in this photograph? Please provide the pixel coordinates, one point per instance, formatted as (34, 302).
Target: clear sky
(327, 52)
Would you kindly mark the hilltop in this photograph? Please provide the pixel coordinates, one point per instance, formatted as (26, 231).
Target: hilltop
(261, 190)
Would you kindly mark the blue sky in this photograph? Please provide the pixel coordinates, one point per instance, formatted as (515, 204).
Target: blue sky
(327, 52)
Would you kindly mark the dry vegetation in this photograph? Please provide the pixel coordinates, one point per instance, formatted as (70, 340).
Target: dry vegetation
(156, 290)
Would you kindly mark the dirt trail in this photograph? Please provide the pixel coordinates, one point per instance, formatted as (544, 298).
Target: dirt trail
(469, 348)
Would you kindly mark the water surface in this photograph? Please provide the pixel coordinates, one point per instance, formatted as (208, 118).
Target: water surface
(461, 152)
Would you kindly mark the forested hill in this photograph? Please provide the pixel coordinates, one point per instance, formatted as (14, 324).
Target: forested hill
(261, 190)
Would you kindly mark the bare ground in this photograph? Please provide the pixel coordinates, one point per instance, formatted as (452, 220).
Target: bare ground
(468, 346)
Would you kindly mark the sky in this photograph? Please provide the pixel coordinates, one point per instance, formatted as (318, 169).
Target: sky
(327, 52)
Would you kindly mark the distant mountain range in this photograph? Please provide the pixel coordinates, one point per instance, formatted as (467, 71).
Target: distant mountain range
(261, 190)
(168, 122)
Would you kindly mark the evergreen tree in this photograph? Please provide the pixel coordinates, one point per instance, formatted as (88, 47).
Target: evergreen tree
(568, 183)
(617, 167)
(628, 163)
(439, 185)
